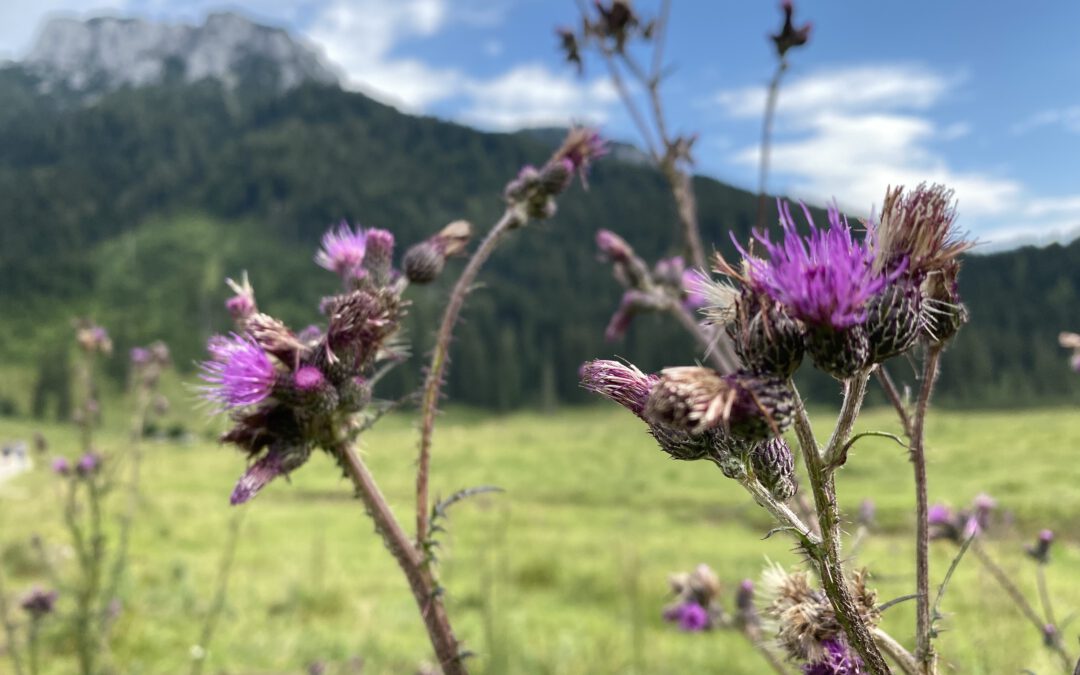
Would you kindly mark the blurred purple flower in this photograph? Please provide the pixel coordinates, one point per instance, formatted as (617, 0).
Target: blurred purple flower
(619, 382)
(88, 464)
(38, 602)
(308, 378)
(61, 466)
(239, 372)
(939, 514)
(690, 616)
(140, 355)
(825, 278)
(838, 660)
(694, 286)
(343, 251)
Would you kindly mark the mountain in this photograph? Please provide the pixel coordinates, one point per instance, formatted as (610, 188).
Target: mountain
(106, 53)
(136, 206)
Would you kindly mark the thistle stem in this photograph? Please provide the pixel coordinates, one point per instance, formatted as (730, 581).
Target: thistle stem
(827, 556)
(510, 219)
(221, 592)
(902, 657)
(1018, 599)
(412, 562)
(923, 621)
(9, 628)
(766, 138)
(894, 397)
(1044, 594)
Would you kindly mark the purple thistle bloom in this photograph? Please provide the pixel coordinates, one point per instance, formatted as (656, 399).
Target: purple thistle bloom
(620, 382)
(838, 660)
(140, 355)
(38, 602)
(613, 247)
(88, 464)
(690, 616)
(239, 372)
(343, 251)
(824, 279)
(240, 306)
(308, 378)
(61, 466)
(939, 514)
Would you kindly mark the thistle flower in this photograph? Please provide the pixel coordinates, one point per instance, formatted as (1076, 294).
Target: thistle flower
(536, 190)
(38, 602)
(613, 247)
(917, 231)
(824, 279)
(744, 596)
(764, 336)
(694, 399)
(581, 147)
(1040, 551)
(92, 338)
(140, 356)
(88, 464)
(690, 617)
(239, 372)
(789, 36)
(343, 251)
(622, 383)
(838, 659)
(61, 466)
(308, 378)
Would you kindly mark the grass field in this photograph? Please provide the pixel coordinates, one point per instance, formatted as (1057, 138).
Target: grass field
(565, 572)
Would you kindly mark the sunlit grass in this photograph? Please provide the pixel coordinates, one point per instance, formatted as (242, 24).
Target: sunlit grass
(566, 571)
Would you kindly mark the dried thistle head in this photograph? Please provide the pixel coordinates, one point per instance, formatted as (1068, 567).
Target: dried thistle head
(274, 337)
(917, 231)
(798, 616)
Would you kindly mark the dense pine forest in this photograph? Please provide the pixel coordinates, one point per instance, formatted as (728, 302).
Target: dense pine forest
(133, 206)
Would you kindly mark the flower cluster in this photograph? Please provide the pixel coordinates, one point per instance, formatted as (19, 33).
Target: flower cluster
(849, 303)
(696, 605)
(959, 525)
(534, 190)
(805, 626)
(287, 393)
(92, 338)
(87, 466)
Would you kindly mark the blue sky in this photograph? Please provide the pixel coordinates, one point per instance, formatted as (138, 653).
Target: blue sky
(982, 96)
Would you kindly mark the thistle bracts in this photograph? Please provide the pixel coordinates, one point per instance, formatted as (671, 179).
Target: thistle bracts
(765, 337)
(840, 353)
(747, 406)
(774, 466)
(894, 320)
(424, 262)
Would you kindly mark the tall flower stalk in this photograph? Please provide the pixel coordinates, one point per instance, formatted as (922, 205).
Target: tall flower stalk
(289, 394)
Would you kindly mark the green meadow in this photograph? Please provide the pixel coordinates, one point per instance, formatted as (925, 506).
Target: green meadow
(563, 573)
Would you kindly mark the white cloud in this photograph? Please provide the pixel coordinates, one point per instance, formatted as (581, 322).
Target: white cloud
(849, 133)
(359, 35)
(1068, 118)
(20, 21)
(532, 95)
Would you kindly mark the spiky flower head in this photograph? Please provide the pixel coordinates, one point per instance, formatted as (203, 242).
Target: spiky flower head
(823, 279)
(622, 383)
(695, 399)
(239, 373)
(343, 251)
(764, 336)
(38, 602)
(789, 36)
(423, 262)
(917, 231)
(581, 147)
(690, 617)
(379, 254)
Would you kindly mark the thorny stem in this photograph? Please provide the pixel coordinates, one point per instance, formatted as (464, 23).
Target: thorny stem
(9, 628)
(221, 592)
(412, 562)
(783, 515)
(894, 397)
(1019, 600)
(827, 556)
(766, 138)
(1044, 594)
(923, 620)
(510, 219)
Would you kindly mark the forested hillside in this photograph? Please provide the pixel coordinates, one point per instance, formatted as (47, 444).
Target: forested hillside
(136, 205)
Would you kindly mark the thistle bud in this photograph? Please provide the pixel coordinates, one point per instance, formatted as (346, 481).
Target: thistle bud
(839, 352)
(613, 247)
(379, 255)
(764, 336)
(280, 460)
(775, 467)
(622, 383)
(38, 602)
(556, 175)
(308, 389)
(789, 36)
(744, 597)
(424, 262)
(519, 189)
(274, 337)
(748, 406)
(893, 320)
(61, 466)
(88, 465)
(242, 305)
(354, 394)
(943, 312)
(1040, 551)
